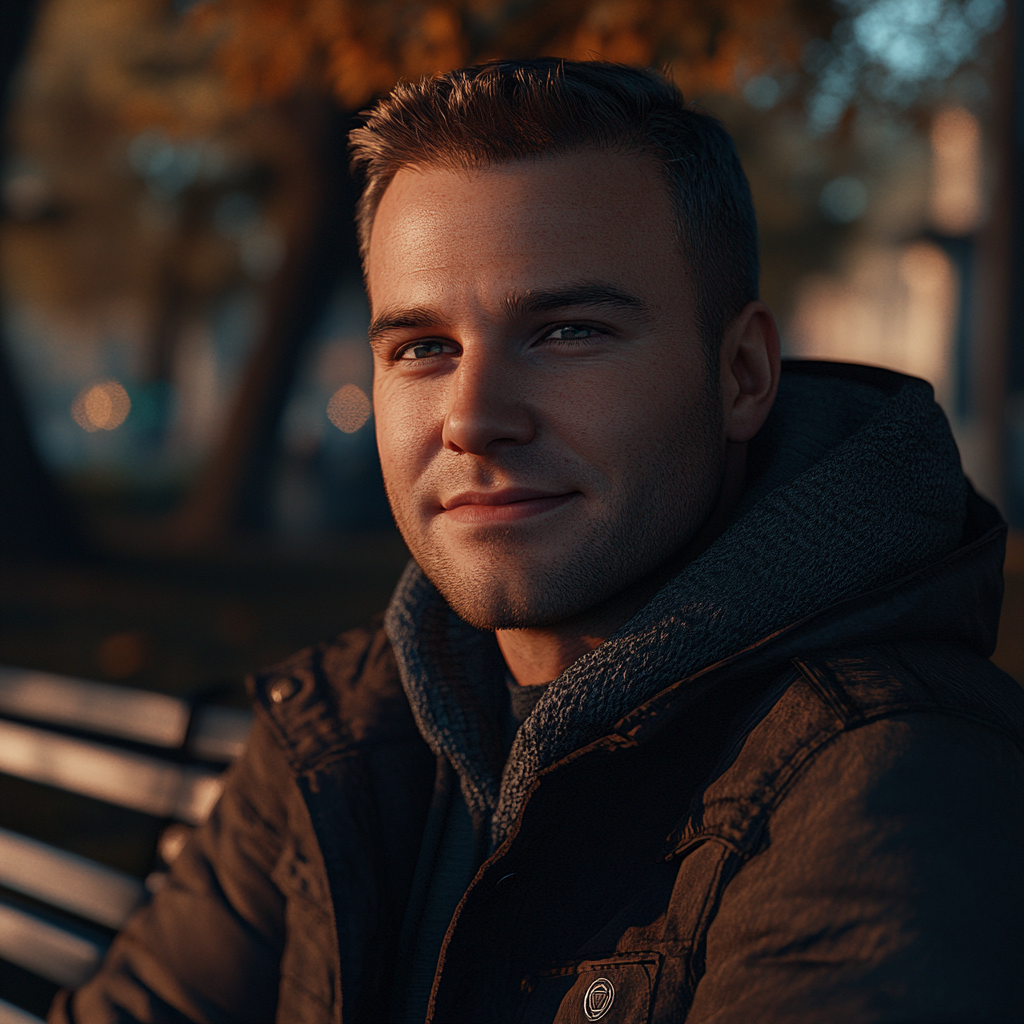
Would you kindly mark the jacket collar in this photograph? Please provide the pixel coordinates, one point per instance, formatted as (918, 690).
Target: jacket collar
(956, 599)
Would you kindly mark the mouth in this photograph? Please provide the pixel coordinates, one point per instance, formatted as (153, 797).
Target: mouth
(504, 506)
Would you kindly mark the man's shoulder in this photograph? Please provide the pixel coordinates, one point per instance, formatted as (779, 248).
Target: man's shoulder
(844, 691)
(856, 686)
(338, 694)
(860, 700)
(878, 822)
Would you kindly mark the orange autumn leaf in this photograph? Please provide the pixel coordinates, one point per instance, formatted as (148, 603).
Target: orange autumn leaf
(356, 49)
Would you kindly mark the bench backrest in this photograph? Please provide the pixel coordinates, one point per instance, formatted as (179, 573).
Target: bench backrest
(148, 752)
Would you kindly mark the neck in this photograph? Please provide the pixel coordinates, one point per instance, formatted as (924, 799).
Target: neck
(536, 656)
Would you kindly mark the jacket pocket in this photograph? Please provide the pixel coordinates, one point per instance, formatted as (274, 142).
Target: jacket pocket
(616, 990)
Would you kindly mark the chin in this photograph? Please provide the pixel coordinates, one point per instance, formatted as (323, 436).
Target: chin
(507, 595)
(496, 611)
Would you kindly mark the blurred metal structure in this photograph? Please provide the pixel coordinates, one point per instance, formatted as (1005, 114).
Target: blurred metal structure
(48, 922)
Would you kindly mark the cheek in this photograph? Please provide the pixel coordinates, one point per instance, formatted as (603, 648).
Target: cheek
(617, 414)
(408, 431)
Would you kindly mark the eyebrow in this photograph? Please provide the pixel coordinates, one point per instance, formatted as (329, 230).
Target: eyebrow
(586, 294)
(517, 305)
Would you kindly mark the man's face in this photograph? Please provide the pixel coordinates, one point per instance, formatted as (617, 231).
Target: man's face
(547, 430)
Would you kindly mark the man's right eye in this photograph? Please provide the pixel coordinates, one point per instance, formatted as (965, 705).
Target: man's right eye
(423, 350)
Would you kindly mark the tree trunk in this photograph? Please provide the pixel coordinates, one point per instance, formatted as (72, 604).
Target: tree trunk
(36, 520)
(232, 493)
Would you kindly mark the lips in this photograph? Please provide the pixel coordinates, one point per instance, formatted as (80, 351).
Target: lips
(504, 506)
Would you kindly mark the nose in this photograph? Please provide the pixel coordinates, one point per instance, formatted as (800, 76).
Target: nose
(487, 407)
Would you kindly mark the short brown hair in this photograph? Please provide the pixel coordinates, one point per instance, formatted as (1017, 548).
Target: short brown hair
(508, 110)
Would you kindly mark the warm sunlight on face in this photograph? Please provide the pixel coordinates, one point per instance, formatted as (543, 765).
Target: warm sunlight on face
(547, 431)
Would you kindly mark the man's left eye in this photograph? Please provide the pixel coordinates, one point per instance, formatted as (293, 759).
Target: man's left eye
(422, 350)
(571, 332)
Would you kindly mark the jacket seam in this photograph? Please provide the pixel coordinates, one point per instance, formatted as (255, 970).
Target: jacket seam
(774, 795)
(300, 765)
(762, 803)
(827, 683)
(825, 686)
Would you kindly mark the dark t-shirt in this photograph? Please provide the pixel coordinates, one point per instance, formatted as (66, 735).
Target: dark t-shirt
(523, 699)
(456, 860)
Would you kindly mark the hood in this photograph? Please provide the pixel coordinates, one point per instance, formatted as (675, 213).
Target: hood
(854, 485)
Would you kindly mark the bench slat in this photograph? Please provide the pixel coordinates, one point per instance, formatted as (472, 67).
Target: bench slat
(53, 952)
(68, 881)
(120, 777)
(219, 734)
(153, 718)
(11, 1014)
(216, 734)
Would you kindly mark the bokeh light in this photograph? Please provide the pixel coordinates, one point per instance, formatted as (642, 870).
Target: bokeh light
(102, 406)
(121, 655)
(890, 51)
(349, 408)
(956, 171)
(931, 303)
(844, 199)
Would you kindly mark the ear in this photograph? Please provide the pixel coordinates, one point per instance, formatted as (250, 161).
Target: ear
(750, 367)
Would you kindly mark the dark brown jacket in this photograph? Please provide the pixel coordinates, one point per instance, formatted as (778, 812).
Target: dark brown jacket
(826, 826)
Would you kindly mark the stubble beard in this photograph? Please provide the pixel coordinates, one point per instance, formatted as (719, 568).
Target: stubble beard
(651, 516)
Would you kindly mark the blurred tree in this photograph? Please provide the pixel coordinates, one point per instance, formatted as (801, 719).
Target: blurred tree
(830, 57)
(159, 199)
(232, 492)
(35, 519)
(309, 64)
(272, 48)
(996, 373)
(833, 54)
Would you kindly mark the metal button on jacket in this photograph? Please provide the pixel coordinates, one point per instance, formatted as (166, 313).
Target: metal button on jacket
(282, 690)
(598, 999)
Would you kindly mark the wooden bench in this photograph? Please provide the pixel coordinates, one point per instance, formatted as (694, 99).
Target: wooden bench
(150, 753)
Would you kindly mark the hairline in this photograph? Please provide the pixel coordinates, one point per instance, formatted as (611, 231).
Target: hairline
(463, 159)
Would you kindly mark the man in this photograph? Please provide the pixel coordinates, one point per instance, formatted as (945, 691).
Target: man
(683, 709)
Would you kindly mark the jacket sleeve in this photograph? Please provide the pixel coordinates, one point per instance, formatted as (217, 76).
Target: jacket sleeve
(207, 947)
(891, 888)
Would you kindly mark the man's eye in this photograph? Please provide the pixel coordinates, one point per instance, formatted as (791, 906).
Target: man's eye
(571, 332)
(423, 350)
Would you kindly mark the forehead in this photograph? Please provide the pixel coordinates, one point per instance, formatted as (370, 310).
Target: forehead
(520, 226)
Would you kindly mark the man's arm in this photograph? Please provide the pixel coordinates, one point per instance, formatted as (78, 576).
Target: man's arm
(207, 947)
(892, 888)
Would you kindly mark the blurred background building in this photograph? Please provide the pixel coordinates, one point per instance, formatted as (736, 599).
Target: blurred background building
(190, 482)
